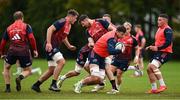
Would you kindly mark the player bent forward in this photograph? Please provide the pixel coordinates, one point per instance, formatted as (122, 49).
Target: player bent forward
(104, 47)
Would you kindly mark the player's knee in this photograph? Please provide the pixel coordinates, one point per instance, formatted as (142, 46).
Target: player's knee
(150, 68)
(155, 63)
(75, 73)
(78, 69)
(28, 69)
(5, 72)
(97, 79)
(113, 69)
(119, 76)
(58, 58)
(157, 71)
(61, 61)
(7, 66)
(119, 73)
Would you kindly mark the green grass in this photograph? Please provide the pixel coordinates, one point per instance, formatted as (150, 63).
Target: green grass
(131, 88)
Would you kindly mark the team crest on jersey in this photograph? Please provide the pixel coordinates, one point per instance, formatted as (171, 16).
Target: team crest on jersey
(162, 60)
(124, 68)
(157, 57)
(81, 62)
(94, 60)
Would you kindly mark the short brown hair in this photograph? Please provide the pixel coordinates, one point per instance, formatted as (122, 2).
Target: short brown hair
(82, 17)
(107, 15)
(138, 26)
(73, 12)
(18, 15)
(164, 16)
(121, 28)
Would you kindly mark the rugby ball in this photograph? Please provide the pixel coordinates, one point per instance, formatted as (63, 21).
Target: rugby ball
(120, 46)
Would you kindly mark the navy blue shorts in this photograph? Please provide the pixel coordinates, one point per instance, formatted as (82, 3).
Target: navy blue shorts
(96, 59)
(25, 61)
(83, 55)
(162, 57)
(120, 64)
(50, 54)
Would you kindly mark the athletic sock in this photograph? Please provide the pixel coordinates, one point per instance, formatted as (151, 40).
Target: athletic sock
(131, 68)
(118, 86)
(54, 82)
(20, 77)
(63, 77)
(161, 82)
(7, 86)
(113, 83)
(101, 84)
(81, 83)
(154, 86)
(38, 83)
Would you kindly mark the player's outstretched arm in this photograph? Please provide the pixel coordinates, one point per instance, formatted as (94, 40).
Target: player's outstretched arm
(68, 45)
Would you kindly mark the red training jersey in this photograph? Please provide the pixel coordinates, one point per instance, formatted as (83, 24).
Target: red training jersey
(160, 39)
(139, 36)
(63, 28)
(98, 28)
(130, 42)
(101, 46)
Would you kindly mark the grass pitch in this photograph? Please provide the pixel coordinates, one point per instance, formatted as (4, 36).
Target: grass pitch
(131, 88)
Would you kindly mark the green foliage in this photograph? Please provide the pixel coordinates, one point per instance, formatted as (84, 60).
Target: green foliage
(40, 14)
(176, 47)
